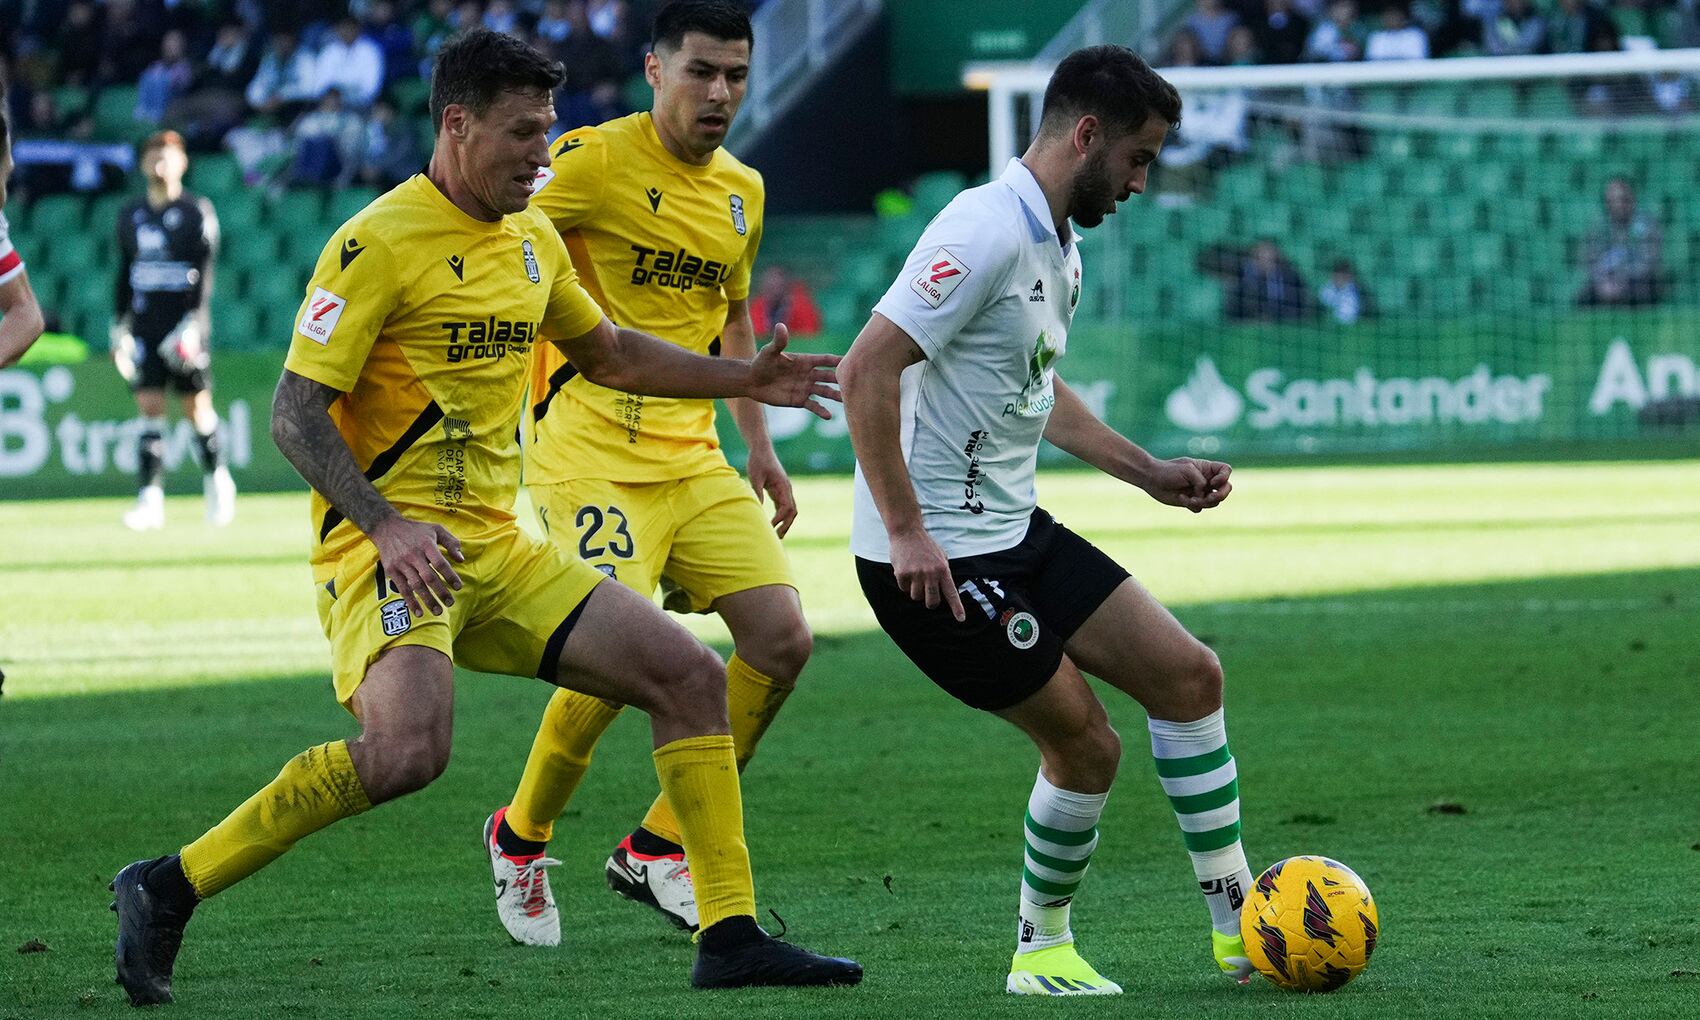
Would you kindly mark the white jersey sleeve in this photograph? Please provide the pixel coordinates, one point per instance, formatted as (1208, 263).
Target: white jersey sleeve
(11, 263)
(962, 262)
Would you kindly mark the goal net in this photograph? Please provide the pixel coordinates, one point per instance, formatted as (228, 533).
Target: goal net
(1474, 255)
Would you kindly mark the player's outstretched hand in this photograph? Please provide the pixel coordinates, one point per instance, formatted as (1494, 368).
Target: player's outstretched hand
(923, 571)
(793, 380)
(1187, 482)
(416, 558)
(767, 476)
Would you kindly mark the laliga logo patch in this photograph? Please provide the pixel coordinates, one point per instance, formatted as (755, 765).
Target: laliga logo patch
(395, 617)
(1022, 630)
(319, 320)
(738, 215)
(531, 272)
(939, 276)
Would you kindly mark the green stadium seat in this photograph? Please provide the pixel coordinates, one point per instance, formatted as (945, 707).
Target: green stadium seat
(1436, 99)
(935, 190)
(215, 176)
(299, 209)
(1490, 99)
(103, 212)
(239, 212)
(72, 101)
(1482, 254)
(1304, 184)
(276, 294)
(57, 216)
(412, 96)
(253, 249)
(115, 113)
(235, 325)
(75, 254)
(1200, 300)
(346, 203)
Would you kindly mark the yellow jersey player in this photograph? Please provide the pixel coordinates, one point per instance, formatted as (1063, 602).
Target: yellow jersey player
(399, 404)
(663, 226)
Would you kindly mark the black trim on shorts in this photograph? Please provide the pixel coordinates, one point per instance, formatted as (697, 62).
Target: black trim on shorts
(382, 463)
(558, 640)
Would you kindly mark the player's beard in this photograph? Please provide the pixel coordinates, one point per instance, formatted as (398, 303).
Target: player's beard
(1092, 195)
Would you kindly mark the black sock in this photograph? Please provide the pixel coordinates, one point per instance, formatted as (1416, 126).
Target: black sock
(651, 845)
(730, 932)
(164, 878)
(210, 447)
(510, 843)
(150, 458)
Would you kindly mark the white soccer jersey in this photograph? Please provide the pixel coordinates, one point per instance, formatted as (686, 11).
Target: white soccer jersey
(987, 294)
(11, 264)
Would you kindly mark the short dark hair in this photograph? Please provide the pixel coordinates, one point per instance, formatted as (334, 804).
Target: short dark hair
(477, 68)
(1111, 83)
(718, 19)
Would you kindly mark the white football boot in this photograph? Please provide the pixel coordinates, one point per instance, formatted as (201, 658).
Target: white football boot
(662, 883)
(221, 497)
(523, 900)
(149, 512)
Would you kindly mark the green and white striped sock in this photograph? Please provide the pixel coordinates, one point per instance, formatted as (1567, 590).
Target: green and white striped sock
(1198, 774)
(1062, 832)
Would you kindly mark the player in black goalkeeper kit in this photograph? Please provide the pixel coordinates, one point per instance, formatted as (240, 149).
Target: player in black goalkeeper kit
(167, 242)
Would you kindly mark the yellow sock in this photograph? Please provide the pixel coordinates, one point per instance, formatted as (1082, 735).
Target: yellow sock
(315, 788)
(752, 700)
(699, 777)
(572, 724)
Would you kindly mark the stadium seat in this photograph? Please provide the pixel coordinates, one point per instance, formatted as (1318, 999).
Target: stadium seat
(412, 96)
(215, 176)
(240, 212)
(115, 114)
(346, 203)
(935, 190)
(235, 325)
(57, 216)
(103, 212)
(298, 209)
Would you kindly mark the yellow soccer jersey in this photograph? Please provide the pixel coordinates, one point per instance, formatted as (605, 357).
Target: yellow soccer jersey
(425, 319)
(662, 246)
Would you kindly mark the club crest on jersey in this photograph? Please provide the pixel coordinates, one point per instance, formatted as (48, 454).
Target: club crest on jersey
(1022, 629)
(738, 223)
(939, 276)
(531, 272)
(319, 319)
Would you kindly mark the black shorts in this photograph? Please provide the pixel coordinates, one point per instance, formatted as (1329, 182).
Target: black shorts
(153, 372)
(1022, 606)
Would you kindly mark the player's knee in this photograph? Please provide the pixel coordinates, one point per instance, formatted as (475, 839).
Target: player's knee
(694, 688)
(1101, 751)
(394, 766)
(789, 651)
(1197, 686)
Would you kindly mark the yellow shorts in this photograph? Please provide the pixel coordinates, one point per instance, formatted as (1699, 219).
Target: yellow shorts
(519, 599)
(705, 534)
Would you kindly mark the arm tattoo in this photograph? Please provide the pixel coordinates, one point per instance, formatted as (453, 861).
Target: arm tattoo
(303, 431)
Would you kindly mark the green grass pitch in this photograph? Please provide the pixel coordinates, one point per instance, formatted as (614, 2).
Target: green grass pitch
(1517, 640)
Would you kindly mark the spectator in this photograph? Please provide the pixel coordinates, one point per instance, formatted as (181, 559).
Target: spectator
(390, 153)
(1343, 296)
(1281, 32)
(1673, 93)
(164, 80)
(1397, 38)
(1242, 48)
(1518, 30)
(1211, 22)
(326, 143)
(1622, 253)
(351, 64)
(784, 298)
(1338, 39)
(554, 27)
(1635, 25)
(79, 45)
(394, 40)
(595, 71)
(260, 146)
(126, 43)
(215, 103)
(285, 79)
(1572, 24)
(500, 16)
(1267, 287)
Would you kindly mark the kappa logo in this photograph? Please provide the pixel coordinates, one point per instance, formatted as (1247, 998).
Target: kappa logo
(939, 277)
(738, 223)
(351, 250)
(319, 320)
(1038, 291)
(654, 199)
(531, 271)
(458, 264)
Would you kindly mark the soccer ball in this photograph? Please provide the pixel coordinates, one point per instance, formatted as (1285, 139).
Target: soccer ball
(1309, 924)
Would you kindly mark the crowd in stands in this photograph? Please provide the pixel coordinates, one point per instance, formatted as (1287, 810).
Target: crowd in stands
(1228, 32)
(314, 92)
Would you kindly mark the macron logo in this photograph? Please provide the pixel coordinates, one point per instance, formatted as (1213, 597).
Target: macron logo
(319, 320)
(941, 275)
